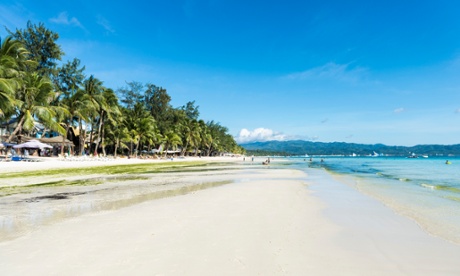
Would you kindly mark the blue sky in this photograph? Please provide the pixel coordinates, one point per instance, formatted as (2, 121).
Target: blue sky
(353, 71)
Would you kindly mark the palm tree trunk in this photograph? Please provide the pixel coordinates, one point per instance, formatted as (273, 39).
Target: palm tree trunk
(137, 146)
(209, 150)
(116, 147)
(131, 148)
(82, 137)
(185, 148)
(17, 129)
(91, 137)
(166, 149)
(102, 142)
(64, 137)
(99, 131)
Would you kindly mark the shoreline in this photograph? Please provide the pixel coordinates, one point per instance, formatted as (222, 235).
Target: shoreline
(446, 230)
(261, 220)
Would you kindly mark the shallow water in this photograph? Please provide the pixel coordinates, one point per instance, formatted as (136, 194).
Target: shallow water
(40, 205)
(424, 189)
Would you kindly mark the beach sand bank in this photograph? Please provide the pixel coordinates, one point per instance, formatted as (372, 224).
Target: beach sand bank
(262, 221)
(46, 163)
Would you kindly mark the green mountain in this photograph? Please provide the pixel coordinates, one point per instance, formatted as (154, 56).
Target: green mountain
(299, 147)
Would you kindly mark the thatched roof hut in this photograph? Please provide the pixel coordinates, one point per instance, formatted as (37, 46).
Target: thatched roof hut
(56, 141)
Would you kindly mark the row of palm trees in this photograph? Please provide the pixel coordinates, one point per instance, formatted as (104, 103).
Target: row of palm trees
(67, 99)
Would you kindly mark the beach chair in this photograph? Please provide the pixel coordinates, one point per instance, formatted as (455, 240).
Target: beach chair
(16, 158)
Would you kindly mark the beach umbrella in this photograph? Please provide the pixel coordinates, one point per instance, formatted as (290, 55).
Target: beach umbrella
(33, 144)
(5, 144)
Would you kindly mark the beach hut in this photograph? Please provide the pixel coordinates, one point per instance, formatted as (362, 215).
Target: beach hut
(56, 141)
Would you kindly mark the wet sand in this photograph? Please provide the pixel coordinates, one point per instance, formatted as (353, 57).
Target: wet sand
(259, 221)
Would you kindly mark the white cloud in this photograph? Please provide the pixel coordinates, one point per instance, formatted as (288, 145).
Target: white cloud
(63, 19)
(399, 110)
(105, 24)
(259, 135)
(331, 71)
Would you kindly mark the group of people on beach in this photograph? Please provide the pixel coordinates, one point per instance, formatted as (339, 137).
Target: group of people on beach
(266, 162)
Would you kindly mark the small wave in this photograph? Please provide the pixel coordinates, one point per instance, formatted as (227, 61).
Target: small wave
(389, 176)
(428, 186)
(441, 188)
(449, 189)
(404, 179)
(454, 198)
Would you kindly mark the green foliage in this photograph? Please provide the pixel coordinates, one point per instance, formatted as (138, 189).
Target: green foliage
(13, 59)
(191, 110)
(34, 97)
(41, 44)
(157, 101)
(70, 77)
(141, 118)
(131, 94)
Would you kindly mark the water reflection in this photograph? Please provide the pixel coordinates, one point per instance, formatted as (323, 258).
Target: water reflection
(22, 216)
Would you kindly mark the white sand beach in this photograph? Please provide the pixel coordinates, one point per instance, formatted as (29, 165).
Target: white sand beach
(265, 221)
(55, 163)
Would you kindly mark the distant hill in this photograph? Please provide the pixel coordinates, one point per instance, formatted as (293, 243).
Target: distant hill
(299, 147)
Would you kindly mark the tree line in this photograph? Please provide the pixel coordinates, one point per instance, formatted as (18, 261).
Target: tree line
(137, 117)
(299, 147)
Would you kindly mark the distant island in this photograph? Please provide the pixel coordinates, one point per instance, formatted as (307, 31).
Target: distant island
(300, 147)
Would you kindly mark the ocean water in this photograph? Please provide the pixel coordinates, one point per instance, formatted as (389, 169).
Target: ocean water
(426, 190)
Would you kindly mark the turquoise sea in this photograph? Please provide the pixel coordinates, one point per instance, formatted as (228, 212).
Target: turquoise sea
(426, 190)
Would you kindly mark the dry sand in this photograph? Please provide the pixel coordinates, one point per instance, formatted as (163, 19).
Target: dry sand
(266, 222)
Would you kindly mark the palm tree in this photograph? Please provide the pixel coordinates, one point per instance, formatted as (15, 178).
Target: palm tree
(76, 104)
(186, 129)
(206, 141)
(108, 108)
(195, 137)
(93, 89)
(145, 128)
(152, 138)
(13, 57)
(34, 95)
(117, 132)
(171, 139)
